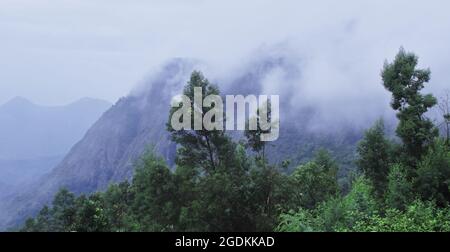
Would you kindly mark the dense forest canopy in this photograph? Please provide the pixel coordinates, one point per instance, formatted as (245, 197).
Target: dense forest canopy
(220, 184)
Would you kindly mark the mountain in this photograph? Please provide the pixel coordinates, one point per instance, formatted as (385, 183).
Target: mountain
(17, 173)
(113, 144)
(34, 139)
(29, 131)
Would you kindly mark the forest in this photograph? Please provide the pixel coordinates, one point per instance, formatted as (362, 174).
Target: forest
(221, 184)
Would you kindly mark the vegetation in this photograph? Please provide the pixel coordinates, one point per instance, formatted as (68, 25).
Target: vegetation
(222, 185)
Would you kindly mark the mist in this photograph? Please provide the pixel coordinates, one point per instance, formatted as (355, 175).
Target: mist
(59, 51)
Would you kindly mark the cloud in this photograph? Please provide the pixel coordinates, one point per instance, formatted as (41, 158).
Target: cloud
(55, 51)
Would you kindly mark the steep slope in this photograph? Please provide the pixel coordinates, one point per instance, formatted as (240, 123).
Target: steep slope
(21, 172)
(107, 152)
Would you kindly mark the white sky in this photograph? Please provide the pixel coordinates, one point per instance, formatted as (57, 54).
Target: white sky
(56, 51)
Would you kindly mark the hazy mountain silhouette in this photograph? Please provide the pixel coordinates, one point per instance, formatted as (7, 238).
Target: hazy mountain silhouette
(34, 138)
(29, 131)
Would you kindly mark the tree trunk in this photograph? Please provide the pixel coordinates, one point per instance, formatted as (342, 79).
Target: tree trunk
(211, 156)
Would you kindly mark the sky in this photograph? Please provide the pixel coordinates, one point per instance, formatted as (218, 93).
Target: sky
(56, 51)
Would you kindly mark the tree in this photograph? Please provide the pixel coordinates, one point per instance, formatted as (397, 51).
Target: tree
(90, 214)
(375, 156)
(29, 226)
(241, 198)
(360, 203)
(211, 175)
(43, 222)
(433, 174)
(315, 181)
(444, 107)
(63, 211)
(302, 220)
(117, 200)
(270, 192)
(417, 217)
(254, 136)
(405, 82)
(399, 193)
(154, 195)
(336, 213)
(187, 199)
(200, 148)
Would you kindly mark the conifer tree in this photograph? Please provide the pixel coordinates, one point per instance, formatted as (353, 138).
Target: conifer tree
(374, 156)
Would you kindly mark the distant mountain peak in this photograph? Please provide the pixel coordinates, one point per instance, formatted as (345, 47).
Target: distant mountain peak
(90, 100)
(18, 101)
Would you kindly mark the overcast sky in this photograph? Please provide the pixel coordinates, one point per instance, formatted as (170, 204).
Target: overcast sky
(56, 51)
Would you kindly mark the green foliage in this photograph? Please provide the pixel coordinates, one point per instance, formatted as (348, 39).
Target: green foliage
(335, 214)
(360, 201)
(205, 149)
(63, 211)
(375, 156)
(218, 186)
(154, 195)
(270, 193)
(418, 217)
(405, 82)
(433, 174)
(302, 220)
(254, 136)
(315, 181)
(420, 168)
(247, 196)
(359, 212)
(117, 200)
(400, 190)
(59, 218)
(90, 215)
(42, 222)
(356, 206)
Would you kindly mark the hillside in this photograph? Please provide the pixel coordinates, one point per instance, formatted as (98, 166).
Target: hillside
(114, 143)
